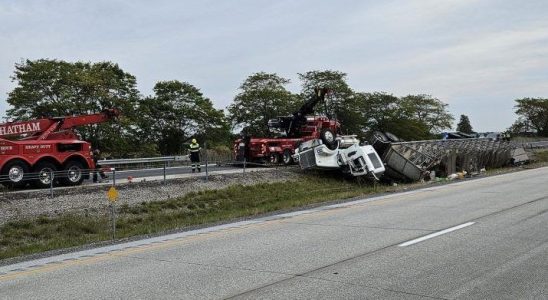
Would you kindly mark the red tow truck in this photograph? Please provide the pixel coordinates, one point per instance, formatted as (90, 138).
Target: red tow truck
(292, 131)
(32, 151)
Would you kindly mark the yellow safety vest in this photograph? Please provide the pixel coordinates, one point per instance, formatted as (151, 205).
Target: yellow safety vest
(194, 147)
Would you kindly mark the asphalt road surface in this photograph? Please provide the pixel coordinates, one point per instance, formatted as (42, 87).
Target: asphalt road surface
(479, 239)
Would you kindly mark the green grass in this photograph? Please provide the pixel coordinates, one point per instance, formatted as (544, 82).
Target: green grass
(68, 230)
(541, 156)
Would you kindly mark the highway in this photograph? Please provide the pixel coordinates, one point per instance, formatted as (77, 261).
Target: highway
(477, 239)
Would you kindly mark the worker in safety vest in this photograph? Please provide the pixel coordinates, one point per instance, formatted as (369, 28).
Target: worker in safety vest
(98, 171)
(195, 155)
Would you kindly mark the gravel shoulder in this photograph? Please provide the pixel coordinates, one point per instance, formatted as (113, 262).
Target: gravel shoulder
(93, 199)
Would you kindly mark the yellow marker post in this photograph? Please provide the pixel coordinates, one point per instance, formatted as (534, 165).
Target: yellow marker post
(112, 194)
(112, 197)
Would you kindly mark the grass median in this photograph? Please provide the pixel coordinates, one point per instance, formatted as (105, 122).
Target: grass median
(542, 156)
(205, 207)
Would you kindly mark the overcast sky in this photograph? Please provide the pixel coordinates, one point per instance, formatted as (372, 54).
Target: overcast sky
(477, 56)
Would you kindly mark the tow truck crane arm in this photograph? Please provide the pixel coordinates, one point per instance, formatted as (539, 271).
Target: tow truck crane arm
(291, 124)
(40, 129)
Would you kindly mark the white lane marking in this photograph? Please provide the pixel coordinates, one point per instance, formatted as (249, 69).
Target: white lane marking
(435, 234)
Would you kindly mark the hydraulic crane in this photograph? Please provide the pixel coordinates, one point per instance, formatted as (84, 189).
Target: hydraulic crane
(294, 130)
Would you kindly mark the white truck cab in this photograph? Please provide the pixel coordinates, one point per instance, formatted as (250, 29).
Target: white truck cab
(345, 154)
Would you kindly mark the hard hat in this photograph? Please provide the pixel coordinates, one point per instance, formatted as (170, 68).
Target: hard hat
(194, 141)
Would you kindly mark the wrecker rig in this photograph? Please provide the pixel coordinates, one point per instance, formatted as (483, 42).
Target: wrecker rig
(32, 151)
(314, 141)
(293, 130)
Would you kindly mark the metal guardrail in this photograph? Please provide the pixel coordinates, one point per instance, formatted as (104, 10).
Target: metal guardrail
(535, 145)
(128, 161)
(112, 163)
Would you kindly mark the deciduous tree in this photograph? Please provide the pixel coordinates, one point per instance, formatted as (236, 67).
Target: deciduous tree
(427, 110)
(59, 88)
(177, 112)
(341, 101)
(534, 111)
(262, 96)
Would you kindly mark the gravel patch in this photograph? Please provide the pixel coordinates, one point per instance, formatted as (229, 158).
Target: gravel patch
(93, 199)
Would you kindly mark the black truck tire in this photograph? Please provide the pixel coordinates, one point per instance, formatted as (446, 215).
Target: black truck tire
(328, 138)
(43, 172)
(392, 137)
(274, 158)
(73, 173)
(287, 158)
(15, 174)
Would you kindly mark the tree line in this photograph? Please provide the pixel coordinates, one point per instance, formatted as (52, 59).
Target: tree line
(177, 111)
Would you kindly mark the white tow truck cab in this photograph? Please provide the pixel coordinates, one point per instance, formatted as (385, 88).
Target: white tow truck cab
(345, 154)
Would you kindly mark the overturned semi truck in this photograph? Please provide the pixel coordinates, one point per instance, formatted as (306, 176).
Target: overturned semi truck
(393, 159)
(345, 154)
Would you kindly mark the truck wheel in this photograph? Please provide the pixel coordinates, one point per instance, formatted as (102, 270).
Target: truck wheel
(73, 173)
(328, 138)
(274, 158)
(381, 137)
(288, 159)
(392, 137)
(44, 172)
(14, 174)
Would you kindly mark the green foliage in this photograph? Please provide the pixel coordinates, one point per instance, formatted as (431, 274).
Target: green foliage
(262, 96)
(377, 110)
(533, 114)
(427, 110)
(59, 88)
(341, 102)
(176, 113)
(541, 156)
(464, 125)
(414, 117)
(408, 129)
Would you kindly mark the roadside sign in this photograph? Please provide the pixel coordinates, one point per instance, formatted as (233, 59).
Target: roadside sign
(112, 194)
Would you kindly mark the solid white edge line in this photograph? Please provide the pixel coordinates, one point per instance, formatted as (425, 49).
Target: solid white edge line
(435, 234)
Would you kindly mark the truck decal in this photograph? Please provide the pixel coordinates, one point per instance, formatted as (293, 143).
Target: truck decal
(19, 128)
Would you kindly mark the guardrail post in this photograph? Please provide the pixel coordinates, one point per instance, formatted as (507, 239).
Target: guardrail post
(113, 176)
(206, 162)
(113, 216)
(244, 167)
(164, 172)
(50, 183)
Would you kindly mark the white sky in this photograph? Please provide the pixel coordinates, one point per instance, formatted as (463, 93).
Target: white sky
(477, 56)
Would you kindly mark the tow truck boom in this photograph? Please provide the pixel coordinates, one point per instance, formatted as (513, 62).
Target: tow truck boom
(41, 129)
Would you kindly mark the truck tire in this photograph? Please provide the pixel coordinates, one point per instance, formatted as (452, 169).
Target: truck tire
(43, 172)
(73, 173)
(392, 137)
(328, 138)
(15, 174)
(274, 158)
(287, 158)
(381, 137)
